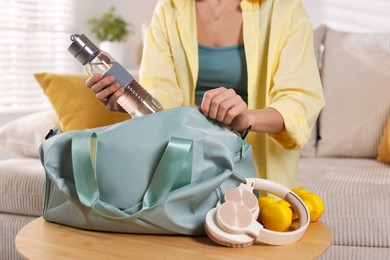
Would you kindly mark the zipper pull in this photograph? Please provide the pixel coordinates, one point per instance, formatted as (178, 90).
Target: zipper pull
(52, 133)
(246, 132)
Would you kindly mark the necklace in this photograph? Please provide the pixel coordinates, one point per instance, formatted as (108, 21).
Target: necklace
(217, 16)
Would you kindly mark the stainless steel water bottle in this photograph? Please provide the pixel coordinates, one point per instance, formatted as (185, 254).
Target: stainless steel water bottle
(135, 100)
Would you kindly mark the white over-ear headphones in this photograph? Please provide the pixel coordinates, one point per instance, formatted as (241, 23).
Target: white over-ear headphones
(234, 223)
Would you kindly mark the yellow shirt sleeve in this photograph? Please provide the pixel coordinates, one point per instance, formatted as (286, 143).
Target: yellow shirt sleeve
(295, 90)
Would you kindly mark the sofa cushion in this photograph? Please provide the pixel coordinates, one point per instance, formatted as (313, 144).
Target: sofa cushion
(24, 135)
(356, 79)
(22, 186)
(76, 106)
(384, 146)
(356, 195)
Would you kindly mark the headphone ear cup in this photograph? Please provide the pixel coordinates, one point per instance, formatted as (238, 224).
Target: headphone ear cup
(222, 237)
(244, 195)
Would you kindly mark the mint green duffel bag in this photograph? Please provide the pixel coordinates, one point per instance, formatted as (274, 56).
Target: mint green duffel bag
(157, 174)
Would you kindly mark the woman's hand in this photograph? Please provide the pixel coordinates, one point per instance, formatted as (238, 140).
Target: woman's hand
(225, 106)
(106, 90)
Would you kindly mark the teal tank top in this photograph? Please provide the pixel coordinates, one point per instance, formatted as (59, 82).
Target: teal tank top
(221, 66)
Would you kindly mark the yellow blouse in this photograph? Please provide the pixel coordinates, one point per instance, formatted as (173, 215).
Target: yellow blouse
(282, 73)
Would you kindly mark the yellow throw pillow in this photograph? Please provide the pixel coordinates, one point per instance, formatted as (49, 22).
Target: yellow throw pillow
(76, 106)
(384, 146)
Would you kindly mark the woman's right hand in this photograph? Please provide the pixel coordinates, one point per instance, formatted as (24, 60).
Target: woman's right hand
(106, 90)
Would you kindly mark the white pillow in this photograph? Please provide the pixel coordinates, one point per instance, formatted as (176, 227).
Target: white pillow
(356, 79)
(24, 135)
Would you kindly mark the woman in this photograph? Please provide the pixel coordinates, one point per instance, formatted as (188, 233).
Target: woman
(246, 63)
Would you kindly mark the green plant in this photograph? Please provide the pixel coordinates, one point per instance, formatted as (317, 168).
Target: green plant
(110, 27)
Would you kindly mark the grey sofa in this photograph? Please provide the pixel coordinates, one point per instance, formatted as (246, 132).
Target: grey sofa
(340, 160)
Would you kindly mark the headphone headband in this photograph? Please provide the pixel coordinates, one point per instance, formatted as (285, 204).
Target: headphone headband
(282, 238)
(269, 186)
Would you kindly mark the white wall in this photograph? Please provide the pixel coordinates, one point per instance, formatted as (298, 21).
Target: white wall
(350, 15)
(133, 11)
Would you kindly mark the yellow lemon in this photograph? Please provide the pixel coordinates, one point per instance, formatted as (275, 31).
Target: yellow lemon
(314, 204)
(294, 214)
(300, 191)
(285, 202)
(263, 201)
(276, 217)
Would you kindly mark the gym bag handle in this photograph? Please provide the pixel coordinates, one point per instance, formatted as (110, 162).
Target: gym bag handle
(173, 171)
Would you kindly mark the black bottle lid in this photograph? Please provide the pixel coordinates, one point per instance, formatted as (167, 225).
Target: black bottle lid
(82, 48)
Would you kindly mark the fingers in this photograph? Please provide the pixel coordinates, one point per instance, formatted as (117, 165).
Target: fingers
(225, 106)
(211, 100)
(106, 90)
(93, 79)
(231, 110)
(112, 100)
(97, 83)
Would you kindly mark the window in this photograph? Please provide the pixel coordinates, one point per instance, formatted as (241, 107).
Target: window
(34, 37)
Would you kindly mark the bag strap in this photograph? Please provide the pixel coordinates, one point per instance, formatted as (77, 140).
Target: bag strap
(173, 171)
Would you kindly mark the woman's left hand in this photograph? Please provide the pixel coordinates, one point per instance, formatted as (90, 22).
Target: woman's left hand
(225, 106)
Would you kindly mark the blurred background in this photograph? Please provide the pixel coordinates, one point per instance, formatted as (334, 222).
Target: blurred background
(34, 36)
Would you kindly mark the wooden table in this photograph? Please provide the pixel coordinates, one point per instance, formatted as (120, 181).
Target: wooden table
(44, 240)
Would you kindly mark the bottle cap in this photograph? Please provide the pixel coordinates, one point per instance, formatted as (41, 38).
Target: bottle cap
(82, 48)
